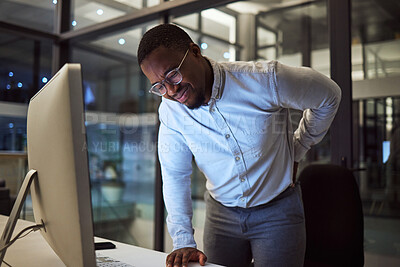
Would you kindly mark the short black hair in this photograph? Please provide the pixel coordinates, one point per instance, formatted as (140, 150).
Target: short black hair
(167, 35)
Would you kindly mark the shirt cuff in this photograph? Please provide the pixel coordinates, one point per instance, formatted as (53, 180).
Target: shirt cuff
(299, 150)
(184, 241)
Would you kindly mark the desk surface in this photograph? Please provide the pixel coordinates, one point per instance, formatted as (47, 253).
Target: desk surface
(34, 251)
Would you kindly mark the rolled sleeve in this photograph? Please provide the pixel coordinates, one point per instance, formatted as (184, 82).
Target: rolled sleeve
(316, 95)
(176, 158)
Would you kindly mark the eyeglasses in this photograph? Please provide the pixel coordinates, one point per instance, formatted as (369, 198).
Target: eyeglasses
(173, 77)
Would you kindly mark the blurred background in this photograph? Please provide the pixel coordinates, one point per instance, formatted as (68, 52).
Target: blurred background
(38, 37)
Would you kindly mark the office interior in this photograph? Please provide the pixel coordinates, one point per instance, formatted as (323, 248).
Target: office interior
(355, 42)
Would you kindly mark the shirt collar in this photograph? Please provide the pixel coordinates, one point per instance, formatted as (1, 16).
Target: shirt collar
(218, 81)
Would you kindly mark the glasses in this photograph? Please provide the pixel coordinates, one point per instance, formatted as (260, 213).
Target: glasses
(173, 77)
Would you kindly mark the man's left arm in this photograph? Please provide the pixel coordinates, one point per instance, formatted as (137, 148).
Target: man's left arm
(315, 94)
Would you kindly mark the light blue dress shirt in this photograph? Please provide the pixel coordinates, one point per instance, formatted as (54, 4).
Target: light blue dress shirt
(242, 140)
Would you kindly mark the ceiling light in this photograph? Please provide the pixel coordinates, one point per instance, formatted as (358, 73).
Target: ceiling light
(44, 80)
(55, 2)
(204, 46)
(10, 74)
(73, 23)
(19, 85)
(8, 86)
(121, 41)
(100, 12)
(227, 55)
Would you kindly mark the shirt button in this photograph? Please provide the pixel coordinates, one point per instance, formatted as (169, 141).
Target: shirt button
(213, 110)
(242, 199)
(242, 180)
(227, 136)
(237, 158)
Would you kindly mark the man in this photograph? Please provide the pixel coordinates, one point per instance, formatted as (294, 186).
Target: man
(234, 119)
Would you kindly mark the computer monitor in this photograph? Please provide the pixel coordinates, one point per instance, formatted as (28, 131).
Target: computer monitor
(60, 190)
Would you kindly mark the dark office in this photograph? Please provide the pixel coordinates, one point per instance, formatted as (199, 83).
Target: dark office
(118, 113)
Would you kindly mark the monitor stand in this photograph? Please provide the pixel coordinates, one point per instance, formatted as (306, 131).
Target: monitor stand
(12, 220)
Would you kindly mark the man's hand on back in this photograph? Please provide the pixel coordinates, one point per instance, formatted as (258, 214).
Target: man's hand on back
(182, 256)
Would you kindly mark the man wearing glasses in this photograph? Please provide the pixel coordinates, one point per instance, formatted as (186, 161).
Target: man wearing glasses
(234, 118)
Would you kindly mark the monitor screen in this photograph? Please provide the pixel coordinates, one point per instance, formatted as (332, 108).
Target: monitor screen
(56, 139)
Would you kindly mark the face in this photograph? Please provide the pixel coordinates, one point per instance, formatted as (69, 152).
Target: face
(194, 90)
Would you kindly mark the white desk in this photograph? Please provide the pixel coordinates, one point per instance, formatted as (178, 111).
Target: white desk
(34, 251)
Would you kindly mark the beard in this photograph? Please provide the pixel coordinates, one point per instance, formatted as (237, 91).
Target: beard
(199, 100)
(196, 98)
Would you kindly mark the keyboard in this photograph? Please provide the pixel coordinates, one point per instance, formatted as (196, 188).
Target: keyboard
(104, 261)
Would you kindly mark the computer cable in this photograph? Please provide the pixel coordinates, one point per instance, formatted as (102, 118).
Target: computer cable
(6, 263)
(22, 234)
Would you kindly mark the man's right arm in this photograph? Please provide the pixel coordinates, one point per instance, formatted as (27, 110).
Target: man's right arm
(176, 168)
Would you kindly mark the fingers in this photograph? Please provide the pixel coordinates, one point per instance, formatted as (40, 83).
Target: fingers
(186, 257)
(202, 258)
(178, 258)
(182, 257)
(171, 258)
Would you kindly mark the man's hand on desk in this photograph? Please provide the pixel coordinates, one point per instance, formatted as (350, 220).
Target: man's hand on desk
(181, 257)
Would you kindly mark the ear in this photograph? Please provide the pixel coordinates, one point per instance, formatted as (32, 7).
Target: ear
(195, 49)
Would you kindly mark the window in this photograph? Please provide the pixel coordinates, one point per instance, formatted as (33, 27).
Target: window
(90, 12)
(121, 126)
(376, 121)
(38, 14)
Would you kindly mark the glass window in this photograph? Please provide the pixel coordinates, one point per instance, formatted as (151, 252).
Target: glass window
(218, 24)
(90, 12)
(121, 115)
(217, 50)
(12, 132)
(376, 120)
(13, 157)
(220, 47)
(189, 21)
(265, 37)
(25, 66)
(122, 151)
(295, 59)
(267, 53)
(38, 14)
(381, 59)
(321, 61)
(113, 80)
(121, 131)
(357, 71)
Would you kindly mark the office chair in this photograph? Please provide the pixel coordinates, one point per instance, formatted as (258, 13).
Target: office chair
(334, 217)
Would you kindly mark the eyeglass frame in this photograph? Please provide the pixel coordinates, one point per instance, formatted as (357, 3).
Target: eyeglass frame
(177, 69)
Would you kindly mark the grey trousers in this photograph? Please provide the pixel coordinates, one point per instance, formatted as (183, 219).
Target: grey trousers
(272, 234)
